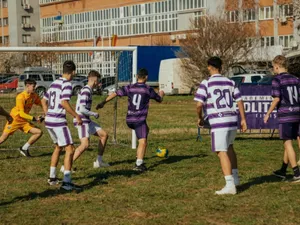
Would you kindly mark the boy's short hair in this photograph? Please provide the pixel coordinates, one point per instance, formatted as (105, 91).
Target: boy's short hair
(281, 61)
(30, 81)
(94, 73)
(294, 69)
(215, 62)
(142, 73)
(69, 67)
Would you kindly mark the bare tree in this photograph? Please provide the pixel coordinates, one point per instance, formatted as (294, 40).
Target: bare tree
(9, 62)
(214, 36)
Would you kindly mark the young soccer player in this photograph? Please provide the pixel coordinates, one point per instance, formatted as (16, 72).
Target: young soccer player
(285, 93)
(139, 95)
(55, 105)
(21, 118)
(217, 94)
(89, 127)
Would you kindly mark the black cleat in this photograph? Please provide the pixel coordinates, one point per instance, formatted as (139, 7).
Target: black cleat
(140, 168)
(53, 181)
(24, 152)
(280, 174)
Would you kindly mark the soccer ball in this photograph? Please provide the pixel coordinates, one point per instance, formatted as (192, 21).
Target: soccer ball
(162, 152)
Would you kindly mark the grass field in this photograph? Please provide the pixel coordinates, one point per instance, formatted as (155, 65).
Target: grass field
(177, 190)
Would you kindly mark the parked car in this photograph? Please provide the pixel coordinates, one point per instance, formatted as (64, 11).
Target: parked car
(9, 84)
(247, 78)
(266, 80)
(43, 81)
(109, 89)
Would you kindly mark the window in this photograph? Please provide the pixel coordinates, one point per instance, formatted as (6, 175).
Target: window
(26, 38)
(5, 40)
(35, 77)
(47, 77)
(5, 4)
(255, 79)
(286, 41)
(233, 16)
(25, 19)
(249, 15)
(267, 41)
(266, 13)
(285, 10)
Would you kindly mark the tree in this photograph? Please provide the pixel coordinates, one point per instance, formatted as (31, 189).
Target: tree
(214, 36)
(10, 61)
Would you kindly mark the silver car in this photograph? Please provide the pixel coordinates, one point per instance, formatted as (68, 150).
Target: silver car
(43, 81)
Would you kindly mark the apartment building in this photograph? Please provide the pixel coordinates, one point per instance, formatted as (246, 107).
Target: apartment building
(19, 22)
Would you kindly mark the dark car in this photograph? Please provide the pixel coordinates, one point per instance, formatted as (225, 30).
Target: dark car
(266, 80)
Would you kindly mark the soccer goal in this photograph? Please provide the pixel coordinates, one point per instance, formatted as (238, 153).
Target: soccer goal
(117, 66)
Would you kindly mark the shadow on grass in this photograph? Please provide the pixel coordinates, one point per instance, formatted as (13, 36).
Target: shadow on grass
(259, 180)
(255, 138)
(128, 161)
(175, 159)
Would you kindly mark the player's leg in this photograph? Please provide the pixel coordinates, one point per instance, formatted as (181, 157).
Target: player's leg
(65, 139)
(232, 157)
(298, 141)
(8, 130)
(291, 155)
(83, 134)
(142, 134)
(3, 137)
(220, 143)
(103, 137)
(36, 134)
(52, 180)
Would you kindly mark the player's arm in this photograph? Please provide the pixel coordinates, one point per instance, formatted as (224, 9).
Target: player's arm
(276, 98)
(201, 98)
(66, 105)
(6, 114)
(199, 109)
(44, 103)
(238, 98)
(20, 103)
(157, 96)
(109, 98)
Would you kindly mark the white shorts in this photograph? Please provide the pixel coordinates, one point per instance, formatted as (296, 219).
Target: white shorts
(61, 136)
(220, 140)
(86, 130)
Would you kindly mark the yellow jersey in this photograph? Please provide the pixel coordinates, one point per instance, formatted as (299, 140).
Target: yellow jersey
(24, 103)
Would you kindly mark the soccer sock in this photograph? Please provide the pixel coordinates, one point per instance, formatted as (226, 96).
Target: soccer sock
(235, 172)
(284, 167)
(67, 176)
(99, 158)
(296, 171)
(139, 162)
(26, 146)
(229, 180)
(52, 172)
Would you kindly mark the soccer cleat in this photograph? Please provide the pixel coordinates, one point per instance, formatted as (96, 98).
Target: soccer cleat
(53, 181)
(24, 152)
(70, 187)
(227, 190)
(296, 179)
(280, 174)
(140, 168)
(236, 180)
(98, 164)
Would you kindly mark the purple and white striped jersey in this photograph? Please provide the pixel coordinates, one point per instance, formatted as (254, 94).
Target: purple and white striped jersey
(60, 89)
(218, 94)
(286, 87)
(84, 100)
(139, 95)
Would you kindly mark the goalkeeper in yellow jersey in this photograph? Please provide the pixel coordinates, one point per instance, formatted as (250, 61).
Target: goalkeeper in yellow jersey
(21, 118)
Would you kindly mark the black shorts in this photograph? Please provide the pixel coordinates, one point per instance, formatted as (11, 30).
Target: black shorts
(289, 131)
(141, 129)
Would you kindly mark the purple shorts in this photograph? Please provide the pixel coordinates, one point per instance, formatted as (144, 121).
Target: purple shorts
(141, 129)
(288, 131)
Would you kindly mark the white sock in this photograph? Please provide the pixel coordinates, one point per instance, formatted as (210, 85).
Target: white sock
(139, 162)
(26, 146)
(67, 176)
(99, 158)
(229, 181)
(52, 172)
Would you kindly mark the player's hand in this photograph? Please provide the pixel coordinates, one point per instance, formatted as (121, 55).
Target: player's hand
(100, 105)
(243, 125)
(9, 119)
(96, 115)
(41, 119)
(79, 120)
(266, 118)
(161, 93)
(200, 123)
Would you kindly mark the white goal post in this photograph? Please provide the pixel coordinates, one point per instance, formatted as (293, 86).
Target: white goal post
(84, 49)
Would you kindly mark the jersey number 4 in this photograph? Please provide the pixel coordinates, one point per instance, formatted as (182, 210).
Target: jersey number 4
(136, 101)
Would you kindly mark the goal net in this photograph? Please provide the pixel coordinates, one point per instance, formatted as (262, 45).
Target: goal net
(117, 66)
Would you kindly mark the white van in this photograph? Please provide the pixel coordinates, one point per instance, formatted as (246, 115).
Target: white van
(170, 78)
